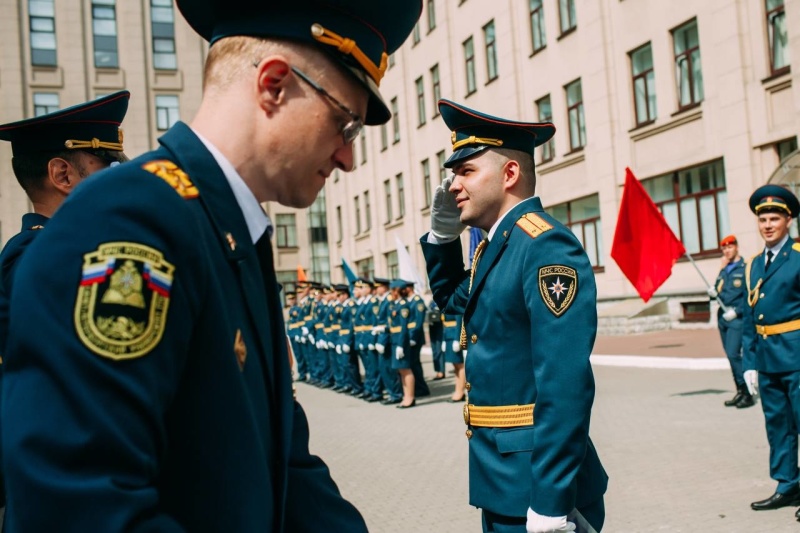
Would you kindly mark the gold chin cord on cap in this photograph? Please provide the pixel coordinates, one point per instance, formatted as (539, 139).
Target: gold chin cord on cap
(94, 144)
(474, 140)
(349, 47)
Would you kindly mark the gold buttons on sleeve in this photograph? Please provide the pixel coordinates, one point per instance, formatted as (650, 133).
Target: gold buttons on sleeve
(474, 338)
(761, 317)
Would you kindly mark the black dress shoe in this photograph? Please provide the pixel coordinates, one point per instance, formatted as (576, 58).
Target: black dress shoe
(391, 401)
(738, 396)
(778, 500)
(745, 401)
(457, 400)
(373, 399)
(409, 406)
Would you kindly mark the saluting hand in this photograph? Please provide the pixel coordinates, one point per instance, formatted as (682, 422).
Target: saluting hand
(446, 223)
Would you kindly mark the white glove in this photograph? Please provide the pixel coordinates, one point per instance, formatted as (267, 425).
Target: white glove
(398, 353)
(380, 348)
(330, 345)
(304, 330)
(412, 343)
(361, 346)
(317, 344)
(751, 380)
(297, 338)
(446, 223)
(339, 350)
(547, 524)
(730, 314)
(712, 293)
(456, 346)
(346, 348)
(302, 340)
(444, 346)
(371, 346)
(311, 338)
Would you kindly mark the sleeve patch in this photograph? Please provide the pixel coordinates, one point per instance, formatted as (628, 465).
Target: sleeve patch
(175, 177)
(533, 225)
(558, 285)
(123, 298)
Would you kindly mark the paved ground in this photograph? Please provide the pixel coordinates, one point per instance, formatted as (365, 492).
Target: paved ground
(679, 461)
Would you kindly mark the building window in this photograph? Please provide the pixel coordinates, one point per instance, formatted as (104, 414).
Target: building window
(44, 103)
(416, 34)
(644, 84)
(167, 111)
(104, 30)
(469, 65)
(577, 123)
(387, 191)
(395, 121)
(440, 160)
(545, 113)
(401, 196)
(288, 280)
(538, 38)
(162, 16)
(687, 65)
(694, 202)
(420, 101)
(384, 137)
(778, 37)
(339, 223)
(366, 268)
(367, 212)
(436, 89)
(392, 265)
(491, 51)
(431, 16)
(784, 148)
(318, 237)
(426, 181)
(286, 230)
(358, 215)
(42, 19)
(363, 146)
(566, 15)
(582, 216)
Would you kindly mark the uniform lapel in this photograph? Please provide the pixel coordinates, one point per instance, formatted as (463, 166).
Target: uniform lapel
(779, 260)
(231, 229)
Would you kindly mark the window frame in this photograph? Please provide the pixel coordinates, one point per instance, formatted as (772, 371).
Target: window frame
(436, 88)
(357, 213)
(401, 196)
(395, 107)
(584, 222)
(163, 32)
(686, 55)
(426, 183)
(37, 52)
(490, 48)
(771, 15)
(421, 115)
(284, 236)
(45, 108)
(468, 46)
(441, 158)
(105, 5)
(581, 117)
(646, 76)
(431, 12)
(572, 17)
(537, 13)
(367, 213)
(168, 110)
(387, 191)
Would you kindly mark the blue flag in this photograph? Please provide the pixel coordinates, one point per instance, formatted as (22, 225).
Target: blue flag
(349, 274)
(475, 237)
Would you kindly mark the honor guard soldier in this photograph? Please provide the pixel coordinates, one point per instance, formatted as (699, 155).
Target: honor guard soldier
(365, 342)
(730, 290)
(152, 361)
(390, 379)
(314, 324)
(51, 155)
(436, 335)
(331, 378)
(453, 354)
(345, 347)
(772, 337)
(530, 318)
(416, 333)
(301, 330)
(293, 325)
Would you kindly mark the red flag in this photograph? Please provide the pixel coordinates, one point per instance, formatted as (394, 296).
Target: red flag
(644, 246)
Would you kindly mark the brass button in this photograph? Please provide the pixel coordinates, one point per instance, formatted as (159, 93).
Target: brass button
(764, 336)
(468, 386)
(469, 434)
(762, 295)
(761, 317)
(474, 338)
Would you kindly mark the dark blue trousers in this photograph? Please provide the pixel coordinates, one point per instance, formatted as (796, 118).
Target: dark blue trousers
(780, 400)
(389, 376)
(731, 334)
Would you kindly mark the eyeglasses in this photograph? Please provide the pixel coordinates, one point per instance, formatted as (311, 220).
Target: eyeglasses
(350, 130)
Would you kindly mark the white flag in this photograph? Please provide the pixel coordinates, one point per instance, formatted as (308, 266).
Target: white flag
(408, 271)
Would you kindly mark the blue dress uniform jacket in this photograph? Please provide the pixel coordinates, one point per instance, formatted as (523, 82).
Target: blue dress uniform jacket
(731, 291)
(774, 298)
(191, 428)
(520, 351)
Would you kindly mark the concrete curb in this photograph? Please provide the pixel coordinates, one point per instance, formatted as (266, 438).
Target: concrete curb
(645, 361)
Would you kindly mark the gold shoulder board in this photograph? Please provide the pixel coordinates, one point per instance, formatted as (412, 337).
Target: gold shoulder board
(533, 225)
(175, 177)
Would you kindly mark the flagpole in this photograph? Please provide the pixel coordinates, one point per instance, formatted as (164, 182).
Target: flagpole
(708, 285)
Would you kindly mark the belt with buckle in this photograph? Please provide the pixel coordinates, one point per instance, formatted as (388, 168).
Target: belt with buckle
(776, 329)
(498, 416)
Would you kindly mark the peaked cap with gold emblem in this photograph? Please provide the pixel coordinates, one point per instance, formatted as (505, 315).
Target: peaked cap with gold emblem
(774, 197)
(473, 132)
(89, 126)
(358, 34)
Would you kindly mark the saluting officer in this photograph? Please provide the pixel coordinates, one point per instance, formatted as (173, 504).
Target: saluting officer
(453, 354)
(530, 319)
(730, 290)
(772, 338)
(390, 379)
(152, 361)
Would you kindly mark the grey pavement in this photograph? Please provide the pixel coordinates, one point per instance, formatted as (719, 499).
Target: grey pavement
(679, 461)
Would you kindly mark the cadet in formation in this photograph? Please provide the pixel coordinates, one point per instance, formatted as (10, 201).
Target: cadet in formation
(453, 354)
(530, 319)
(730, 290)
(148, 386)
(772, 337)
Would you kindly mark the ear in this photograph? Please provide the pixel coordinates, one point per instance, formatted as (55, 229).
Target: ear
(273, 78)
(511, 174)
(59, 174)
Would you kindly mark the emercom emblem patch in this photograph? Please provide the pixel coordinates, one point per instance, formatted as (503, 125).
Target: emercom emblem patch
(123, 297)
(558, 285)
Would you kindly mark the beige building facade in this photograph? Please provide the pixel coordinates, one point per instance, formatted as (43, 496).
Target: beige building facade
(697, 98)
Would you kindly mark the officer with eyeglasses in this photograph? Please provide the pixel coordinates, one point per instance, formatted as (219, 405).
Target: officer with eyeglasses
(148, 384)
